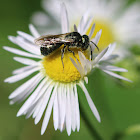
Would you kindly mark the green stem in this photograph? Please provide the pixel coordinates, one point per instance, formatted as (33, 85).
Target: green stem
(91, 129)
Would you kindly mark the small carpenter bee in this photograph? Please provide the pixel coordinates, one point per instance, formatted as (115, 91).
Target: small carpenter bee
(49, 43)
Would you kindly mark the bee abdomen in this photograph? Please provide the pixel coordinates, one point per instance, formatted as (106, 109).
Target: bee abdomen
(49, 49)
(44, 51)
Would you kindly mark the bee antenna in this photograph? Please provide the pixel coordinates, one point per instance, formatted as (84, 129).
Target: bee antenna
(95, 45)
(91, 53)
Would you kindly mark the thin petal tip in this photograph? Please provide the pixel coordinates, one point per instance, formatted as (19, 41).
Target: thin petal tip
(36, 121)
(100, 31)
(4, 47)
(6, 80)
(99, 120)
(42, 131)
(10, 96)
(18, 32)
(18, 115)
(31, 25)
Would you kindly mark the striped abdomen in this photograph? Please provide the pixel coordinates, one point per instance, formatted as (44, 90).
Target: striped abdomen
(46, 50)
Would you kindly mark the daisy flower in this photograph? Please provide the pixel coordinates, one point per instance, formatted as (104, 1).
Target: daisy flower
(51, 86)
(119, 22)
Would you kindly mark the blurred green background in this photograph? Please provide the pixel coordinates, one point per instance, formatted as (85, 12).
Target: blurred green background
(117, 104)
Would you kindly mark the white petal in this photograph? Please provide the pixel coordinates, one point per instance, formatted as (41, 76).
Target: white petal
(30, 100)
(48, 111)
(82, 59)
(77, 109)
(64, 19)
(92, 30)
(87, 25)
(111, 57)
(21, 96)
(83, 70)
(21, 76)
(41, 96)
(25, 45)
(31, 110)
(59, 91)
(24, 94)
(78, 67)
(34, 31)
(99, 56)
(24, 86)
(68, 112)
(111, 48)
(28, 114)
(80, 27)
(25, 61)
(22, 53)
(38, 106)
(44, 104)
(86, 79)
(73, 110)
(116, 75)
(63, 112)
(32, 105)
(26, 36)
(113, 68)
(23, 69)
(47, 84)
(86, 64)
(90, 102)
(56, 112)
(97, 37)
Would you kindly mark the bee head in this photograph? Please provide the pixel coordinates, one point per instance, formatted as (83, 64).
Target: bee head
(85, 42)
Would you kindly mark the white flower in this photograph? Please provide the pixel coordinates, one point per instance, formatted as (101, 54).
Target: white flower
(119, 22)
(53, 87)
(45, 90)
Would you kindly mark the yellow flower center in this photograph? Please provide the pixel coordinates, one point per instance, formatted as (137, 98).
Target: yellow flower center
(54, 69)
(108, 33)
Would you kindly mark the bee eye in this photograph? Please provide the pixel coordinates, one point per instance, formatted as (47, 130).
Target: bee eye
(83, 40)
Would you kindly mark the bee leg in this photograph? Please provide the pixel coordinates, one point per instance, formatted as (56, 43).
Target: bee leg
(62, 55)
(72, 52)
(91, 53)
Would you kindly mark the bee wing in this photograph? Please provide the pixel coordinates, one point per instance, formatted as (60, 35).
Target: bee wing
(47, 39)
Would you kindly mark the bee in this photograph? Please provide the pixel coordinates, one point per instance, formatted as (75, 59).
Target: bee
(50, 43)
